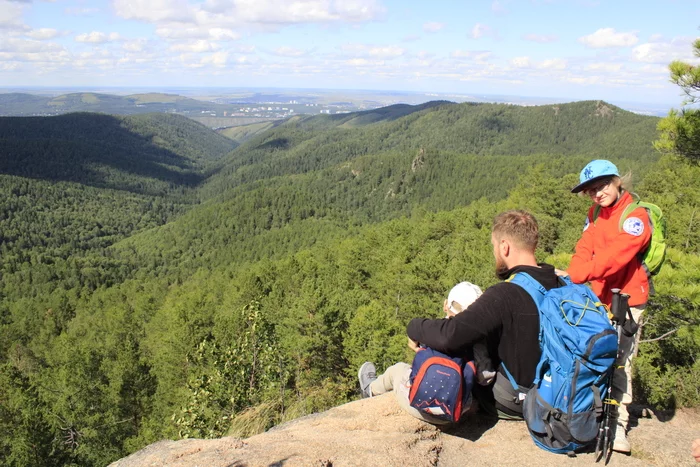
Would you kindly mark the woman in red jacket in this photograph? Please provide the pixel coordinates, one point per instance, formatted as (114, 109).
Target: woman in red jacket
(608, 255)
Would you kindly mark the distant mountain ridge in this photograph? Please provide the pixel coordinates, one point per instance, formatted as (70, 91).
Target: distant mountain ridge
(141, 153)
(22, 104)
(588, 128)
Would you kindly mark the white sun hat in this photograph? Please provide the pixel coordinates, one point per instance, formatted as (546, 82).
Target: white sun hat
(462, 295)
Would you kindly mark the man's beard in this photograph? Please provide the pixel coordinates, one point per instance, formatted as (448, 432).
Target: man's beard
(501, 267)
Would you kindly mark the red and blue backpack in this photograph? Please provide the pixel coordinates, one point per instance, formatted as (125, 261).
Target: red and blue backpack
(440, 385)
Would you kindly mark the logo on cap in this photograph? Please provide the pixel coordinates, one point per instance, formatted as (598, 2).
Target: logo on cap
(587, 173)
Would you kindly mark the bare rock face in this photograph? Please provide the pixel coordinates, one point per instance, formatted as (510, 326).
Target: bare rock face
(603, 110)
(376, 432)
(418, 161)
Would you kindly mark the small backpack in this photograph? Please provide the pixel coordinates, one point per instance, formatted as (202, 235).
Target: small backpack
(440, 385)
(563, 408)
(653, 257)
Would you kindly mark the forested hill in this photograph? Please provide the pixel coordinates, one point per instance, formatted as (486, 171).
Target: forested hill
(150, 153)
(21, 104)
(325, 174)
(588, 128)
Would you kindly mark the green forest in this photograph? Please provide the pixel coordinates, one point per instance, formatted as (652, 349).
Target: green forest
(160, 280)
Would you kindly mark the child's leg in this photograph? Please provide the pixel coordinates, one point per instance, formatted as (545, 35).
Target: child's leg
(390, 379)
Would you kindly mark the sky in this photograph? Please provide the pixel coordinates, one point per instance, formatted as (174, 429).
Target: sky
(572, 49)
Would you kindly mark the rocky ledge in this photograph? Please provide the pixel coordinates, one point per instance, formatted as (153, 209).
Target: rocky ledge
(376, 432)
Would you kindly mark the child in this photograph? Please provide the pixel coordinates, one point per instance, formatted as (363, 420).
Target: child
(460, 297)
(398, 377)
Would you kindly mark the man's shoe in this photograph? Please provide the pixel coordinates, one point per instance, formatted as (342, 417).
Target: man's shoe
(366, 375)
(620, 443)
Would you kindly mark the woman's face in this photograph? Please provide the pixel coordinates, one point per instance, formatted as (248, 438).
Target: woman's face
(604, 192)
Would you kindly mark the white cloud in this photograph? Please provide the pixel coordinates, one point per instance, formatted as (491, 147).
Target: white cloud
(286, 51)
(411, 38)
(138, 45)
(608, 37)
(249, 12)
(199, 46)
(216, 34)
(155, 10)
(375, 52)
(433, 27)
(96, 37)
(363, 62)
(480, 30)
(11, 15)
(602, 66)
(540, 38)
(357, 10)
(521, 62)
(664, 52)
(221, 34)
(218, 59)
(13, 45)
(9, 66)
(424, 55)
(476, 55)
(24, 50)
(43, 34)
(245, 49)
(552, 64)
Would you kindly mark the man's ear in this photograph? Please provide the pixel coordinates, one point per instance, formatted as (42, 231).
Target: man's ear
(505, 247)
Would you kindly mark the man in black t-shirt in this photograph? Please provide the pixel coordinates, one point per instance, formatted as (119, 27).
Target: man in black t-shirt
(505, 315)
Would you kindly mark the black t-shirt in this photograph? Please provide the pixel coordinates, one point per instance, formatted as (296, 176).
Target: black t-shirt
(505, 315)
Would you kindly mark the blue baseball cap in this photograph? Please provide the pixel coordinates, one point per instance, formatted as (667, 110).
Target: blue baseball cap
(595, 170)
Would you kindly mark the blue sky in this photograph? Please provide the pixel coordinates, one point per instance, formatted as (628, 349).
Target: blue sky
(577, 49)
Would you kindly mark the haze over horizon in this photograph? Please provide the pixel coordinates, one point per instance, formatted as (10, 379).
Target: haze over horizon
(578, 49)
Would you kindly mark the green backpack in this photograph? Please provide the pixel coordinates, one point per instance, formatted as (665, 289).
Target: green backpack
(655, 254)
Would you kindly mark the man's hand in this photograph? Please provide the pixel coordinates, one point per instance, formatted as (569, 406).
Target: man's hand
(696, 450)
(413, 345)
(561, 273)
(446, 309)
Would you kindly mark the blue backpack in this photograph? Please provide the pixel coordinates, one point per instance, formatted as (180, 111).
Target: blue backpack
(563, 408)
(440, 384)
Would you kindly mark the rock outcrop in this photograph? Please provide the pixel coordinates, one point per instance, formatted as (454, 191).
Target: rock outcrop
(376, 432)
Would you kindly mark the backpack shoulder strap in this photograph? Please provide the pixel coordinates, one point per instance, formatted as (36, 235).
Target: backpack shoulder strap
(628, 210)
(531, 286)
(536, 291)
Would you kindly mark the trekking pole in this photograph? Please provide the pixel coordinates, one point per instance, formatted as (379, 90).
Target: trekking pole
(618, 308)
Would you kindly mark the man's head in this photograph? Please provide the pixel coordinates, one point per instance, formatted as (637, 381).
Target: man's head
(514, 237)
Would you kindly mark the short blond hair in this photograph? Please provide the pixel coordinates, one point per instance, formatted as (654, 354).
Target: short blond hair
(519, 227)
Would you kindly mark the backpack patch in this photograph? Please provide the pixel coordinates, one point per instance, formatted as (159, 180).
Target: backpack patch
(563, 407)
(440, 385)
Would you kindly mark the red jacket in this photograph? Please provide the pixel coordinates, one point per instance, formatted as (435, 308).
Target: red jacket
(608, 256)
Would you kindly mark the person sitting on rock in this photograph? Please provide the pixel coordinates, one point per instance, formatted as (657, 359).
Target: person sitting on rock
(398, 377)
(505, 314)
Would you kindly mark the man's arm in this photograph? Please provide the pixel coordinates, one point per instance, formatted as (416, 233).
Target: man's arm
(453, 336)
